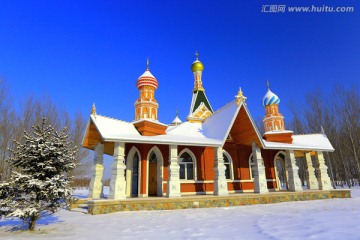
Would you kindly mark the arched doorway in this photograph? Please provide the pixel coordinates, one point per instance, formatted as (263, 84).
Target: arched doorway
(280, 171)
(152, 174)
(135, 176)
(155, 172)
(132, 172)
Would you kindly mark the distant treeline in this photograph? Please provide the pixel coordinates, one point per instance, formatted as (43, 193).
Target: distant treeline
(20, 117)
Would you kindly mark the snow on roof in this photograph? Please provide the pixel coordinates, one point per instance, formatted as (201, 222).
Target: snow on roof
(150, 120)
(212, 132)
(315, 142)
(278, 131)
(218, 125)
(188, 133)
(112, 128)
(147, 73)
(185, 134)
(176, 121)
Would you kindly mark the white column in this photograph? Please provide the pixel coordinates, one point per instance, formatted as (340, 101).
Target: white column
(173, 184)
(292, 172)
(260, 183)
(324, 179)
(220, 182)
(95, 188)
(310, 173)
(118, 182)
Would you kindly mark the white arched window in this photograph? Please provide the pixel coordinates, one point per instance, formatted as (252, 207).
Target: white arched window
(187, 165)
(228, 165)
(252, 166)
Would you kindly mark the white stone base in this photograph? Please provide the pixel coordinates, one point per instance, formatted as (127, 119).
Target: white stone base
(95, 187)
(118, 183)
(324, 179)
(260, 182)
(173, 189)
(220, 188)
(173, 184)
(294, 181)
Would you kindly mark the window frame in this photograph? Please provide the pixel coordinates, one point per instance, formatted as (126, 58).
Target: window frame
(193, 158)
(230, 164)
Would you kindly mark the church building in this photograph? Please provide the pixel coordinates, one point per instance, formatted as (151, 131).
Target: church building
(212, 152)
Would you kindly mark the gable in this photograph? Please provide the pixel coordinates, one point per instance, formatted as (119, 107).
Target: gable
(201, 98)
(92, 136)
(242, 131)
(201, 112)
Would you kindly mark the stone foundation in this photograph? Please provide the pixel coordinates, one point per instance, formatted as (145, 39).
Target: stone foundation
(77, 203)
(104, 206)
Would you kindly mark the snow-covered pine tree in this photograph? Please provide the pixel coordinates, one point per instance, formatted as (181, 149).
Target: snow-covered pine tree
(40, 184)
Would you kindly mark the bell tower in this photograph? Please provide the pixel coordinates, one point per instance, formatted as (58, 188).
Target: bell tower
(274, 120)
(200, 107)
(146, 107)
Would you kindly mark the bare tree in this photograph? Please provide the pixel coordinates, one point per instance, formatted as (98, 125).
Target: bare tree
(8, 120)
(31, 111)
(339, 114)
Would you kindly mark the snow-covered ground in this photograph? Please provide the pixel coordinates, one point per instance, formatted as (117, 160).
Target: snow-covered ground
(322, 219)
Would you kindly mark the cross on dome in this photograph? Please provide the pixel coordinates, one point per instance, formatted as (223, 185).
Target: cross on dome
(197, 66)
(147, 79)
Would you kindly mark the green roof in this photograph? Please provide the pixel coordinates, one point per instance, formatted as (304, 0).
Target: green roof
(201, 97)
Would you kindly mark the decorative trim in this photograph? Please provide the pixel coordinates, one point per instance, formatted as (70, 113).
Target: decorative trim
(194, 163)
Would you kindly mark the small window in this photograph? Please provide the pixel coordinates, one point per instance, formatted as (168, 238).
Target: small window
(228, 166)
(252, 166)
(186, 164)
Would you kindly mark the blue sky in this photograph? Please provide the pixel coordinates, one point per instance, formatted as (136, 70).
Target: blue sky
(80, 52)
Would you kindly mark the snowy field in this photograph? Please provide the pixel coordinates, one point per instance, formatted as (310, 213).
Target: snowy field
(322, 219)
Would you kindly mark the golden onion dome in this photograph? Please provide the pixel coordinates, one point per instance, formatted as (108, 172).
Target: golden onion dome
(197, 65)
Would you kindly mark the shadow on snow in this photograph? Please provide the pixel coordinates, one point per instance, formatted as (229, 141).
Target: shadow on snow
(15, 224)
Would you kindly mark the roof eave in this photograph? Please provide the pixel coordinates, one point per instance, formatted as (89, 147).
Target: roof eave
(97, 128)
(85, 132)
(299, 148)
(163, 142)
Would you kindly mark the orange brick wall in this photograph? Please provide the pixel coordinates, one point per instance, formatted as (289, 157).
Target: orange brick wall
(205, 166)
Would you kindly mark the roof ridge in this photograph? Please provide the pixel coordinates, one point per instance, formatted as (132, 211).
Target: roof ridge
(305, 134)
(119, 120)
(222, 108)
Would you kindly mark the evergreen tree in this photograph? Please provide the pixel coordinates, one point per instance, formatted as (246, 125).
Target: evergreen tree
(41, 183)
